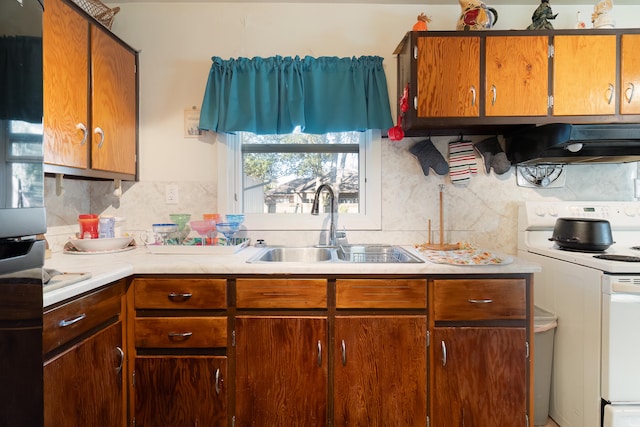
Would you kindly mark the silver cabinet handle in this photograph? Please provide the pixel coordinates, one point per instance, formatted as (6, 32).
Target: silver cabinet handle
(121, 354)
(473, 96)
(175, 296)
(415, 103)
(218, 381)
(344, 353)
(68, 322)
(494, 93)
(179, 336)
(100, 132)
(628, 94)
(83, 128)
(444, 353)
(480, 301)
(611, 91)
(319, 353)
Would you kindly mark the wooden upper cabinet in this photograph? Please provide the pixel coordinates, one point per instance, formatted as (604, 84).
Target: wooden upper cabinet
(517, 70)
(630, 74)
(113, 83)
(448, 76)
(584, 75)
(66, 76)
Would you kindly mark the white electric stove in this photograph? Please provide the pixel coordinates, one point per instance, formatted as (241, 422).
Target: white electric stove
(596, 372)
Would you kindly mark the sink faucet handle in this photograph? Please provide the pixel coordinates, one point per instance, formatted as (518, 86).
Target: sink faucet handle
(341, 238)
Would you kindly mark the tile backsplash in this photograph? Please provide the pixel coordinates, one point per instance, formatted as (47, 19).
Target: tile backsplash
(483, 213)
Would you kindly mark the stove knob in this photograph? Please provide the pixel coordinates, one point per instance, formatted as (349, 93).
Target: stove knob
(553, 211)
(540, 211)
(630, 211)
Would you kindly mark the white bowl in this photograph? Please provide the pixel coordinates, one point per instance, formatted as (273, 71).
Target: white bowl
(101, 245)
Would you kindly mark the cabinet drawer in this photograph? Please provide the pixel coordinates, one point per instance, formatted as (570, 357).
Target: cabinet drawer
(181, 332)
(381, 293)
(66, 322)
(479, 299)
(178, 293)
(281, 293)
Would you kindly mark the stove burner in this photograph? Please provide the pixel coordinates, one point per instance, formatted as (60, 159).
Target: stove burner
(624, 258)
(586, 251)
(637, 248)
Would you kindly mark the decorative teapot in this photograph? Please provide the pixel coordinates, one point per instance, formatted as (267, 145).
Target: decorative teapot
(476, 15)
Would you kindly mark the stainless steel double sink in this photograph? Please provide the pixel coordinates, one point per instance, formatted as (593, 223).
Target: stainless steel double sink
(349, 253)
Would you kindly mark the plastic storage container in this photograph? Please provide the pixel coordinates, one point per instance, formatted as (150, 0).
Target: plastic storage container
(545, 324)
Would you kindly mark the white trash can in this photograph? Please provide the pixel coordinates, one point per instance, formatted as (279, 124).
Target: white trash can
(545, 324)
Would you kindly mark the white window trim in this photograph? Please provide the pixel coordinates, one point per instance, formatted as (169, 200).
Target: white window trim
(230, 185)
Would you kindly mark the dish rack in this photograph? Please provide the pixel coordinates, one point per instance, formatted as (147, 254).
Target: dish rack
(372, 254)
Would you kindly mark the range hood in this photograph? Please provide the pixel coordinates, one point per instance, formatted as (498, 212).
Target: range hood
(581, 143)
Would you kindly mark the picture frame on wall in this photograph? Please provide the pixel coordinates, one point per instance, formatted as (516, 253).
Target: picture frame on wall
(191, 122)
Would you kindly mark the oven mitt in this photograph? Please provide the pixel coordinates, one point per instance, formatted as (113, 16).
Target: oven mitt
(493, 156)
(429, 157)
(462, 161)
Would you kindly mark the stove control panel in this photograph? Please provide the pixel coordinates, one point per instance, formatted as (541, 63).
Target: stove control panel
(540, 215)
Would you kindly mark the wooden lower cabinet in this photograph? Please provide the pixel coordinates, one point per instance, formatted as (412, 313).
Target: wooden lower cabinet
(479, 377)
(83, 385)
(281, 371)
(380, 371)
(180, 391)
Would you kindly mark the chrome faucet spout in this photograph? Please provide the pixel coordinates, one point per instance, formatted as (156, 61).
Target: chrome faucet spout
(316, 207)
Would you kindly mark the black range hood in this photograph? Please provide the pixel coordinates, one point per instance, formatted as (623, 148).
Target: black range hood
(583, 143)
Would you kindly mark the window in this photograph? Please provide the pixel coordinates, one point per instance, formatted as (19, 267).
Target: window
(272, 179)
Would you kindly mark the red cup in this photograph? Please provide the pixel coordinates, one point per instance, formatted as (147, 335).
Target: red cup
(88, 226)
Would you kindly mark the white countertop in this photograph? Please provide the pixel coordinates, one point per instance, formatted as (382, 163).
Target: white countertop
(107, 268)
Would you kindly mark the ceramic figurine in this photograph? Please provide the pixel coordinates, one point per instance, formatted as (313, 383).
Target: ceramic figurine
(541, 16)
(602, 15)
(421, 25)
(475, 15)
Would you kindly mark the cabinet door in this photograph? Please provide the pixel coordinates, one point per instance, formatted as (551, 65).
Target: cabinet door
(517, 76)
(84, 386)
(281, 371)
(584, 75)
(479, 377)
(448, 77)
(114, 115)
(630, 74)
(380, 371)
(178, 391)
(65, 79)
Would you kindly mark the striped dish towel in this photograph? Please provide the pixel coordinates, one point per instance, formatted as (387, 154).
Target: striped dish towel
(462, 161)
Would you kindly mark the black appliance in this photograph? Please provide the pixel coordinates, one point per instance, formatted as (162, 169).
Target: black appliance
(22, 213)
(578, 143)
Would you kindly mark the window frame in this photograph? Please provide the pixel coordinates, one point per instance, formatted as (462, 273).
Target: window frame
(229, 163)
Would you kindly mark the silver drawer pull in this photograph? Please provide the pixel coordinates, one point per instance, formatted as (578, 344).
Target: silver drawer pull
(218, 380)
(176, 296)
(69, 322)
(444, 353)
(480, 301)
(319, 353)
(179, 336)
(344, 353)
(121, 354)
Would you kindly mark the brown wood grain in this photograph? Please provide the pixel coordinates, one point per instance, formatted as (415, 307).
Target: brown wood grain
(113, 82)
(97, 308)
(518, 68)
(281, 293)
(483, 383)
(173, 293)
(479, 299)
(383, 380)
(65, 79)
(82, 386)
(584, 67)
(164, 332)
(448, 68)
(179, 391)
(381, 293)
(278, 379)
(630, 74)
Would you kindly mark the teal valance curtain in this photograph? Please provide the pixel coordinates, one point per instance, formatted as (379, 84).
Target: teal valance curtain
(275, 95)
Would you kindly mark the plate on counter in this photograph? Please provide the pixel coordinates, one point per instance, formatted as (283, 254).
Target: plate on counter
(75, 251)
(101, 245)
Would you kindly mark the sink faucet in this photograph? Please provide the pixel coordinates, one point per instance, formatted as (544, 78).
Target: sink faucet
(334, 208)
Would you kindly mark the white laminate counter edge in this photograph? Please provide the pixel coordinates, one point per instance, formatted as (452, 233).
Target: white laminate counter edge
(108, 268)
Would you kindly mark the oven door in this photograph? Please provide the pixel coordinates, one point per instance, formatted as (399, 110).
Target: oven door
(621, 339)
